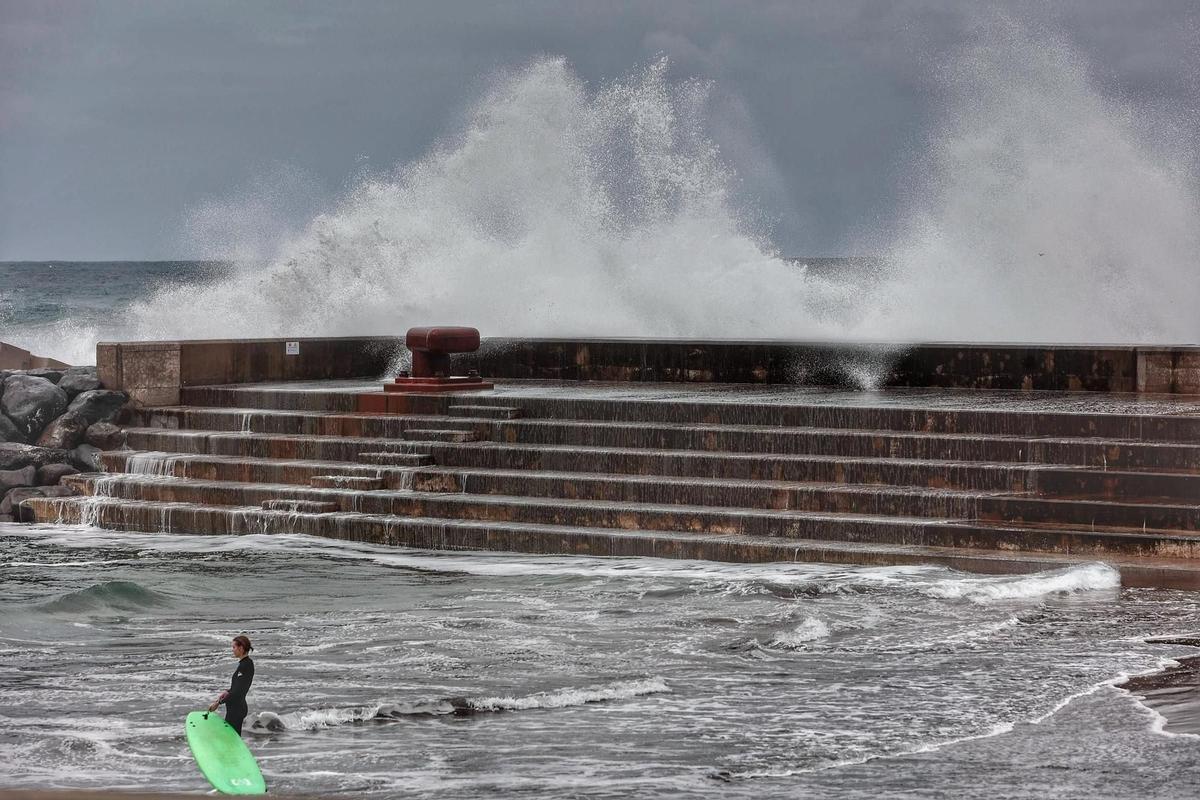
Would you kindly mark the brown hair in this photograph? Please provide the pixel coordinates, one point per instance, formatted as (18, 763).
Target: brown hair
(243, 642)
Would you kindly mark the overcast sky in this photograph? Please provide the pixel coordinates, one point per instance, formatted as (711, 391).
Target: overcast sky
(118, 120)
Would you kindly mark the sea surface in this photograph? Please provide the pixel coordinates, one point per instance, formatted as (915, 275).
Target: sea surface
(386, 672)
(43, 304)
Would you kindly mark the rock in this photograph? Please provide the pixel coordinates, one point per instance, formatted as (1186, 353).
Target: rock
(51, 474)
(9, 432)
(106, 436)
(13, 478)
(6, 518)
(86, 457)
(57, 491)
(31, 402)
(12, 500)
(64, 433)
(52, 375)
(98, 405)
(79, 379)
(14, 455)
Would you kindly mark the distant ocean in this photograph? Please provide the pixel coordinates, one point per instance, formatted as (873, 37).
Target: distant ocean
(33, 293)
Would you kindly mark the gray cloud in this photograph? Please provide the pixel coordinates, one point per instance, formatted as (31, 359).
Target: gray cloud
(121, 122)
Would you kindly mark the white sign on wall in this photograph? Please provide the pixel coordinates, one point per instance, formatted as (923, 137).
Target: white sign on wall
(293, 348)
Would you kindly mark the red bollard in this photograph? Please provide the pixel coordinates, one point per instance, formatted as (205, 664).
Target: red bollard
(431, 349)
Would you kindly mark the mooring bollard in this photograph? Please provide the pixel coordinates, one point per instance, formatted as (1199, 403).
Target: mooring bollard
(432, 348)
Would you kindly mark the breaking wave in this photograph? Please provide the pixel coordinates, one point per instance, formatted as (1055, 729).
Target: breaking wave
(120, 596)
(315, 719)
(1085, 578)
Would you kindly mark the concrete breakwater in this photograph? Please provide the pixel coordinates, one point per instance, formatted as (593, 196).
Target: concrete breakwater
(988, 481)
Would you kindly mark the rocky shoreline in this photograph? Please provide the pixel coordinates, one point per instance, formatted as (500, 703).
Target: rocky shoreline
(53, 423)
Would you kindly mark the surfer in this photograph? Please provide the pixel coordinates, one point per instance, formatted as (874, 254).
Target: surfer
(234, 698)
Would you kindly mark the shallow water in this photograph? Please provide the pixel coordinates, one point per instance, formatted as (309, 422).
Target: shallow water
(577, 676)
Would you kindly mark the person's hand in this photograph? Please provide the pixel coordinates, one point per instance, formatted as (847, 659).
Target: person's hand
(213, 707)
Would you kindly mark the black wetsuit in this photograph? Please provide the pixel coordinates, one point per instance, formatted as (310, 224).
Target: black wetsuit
(235, 699)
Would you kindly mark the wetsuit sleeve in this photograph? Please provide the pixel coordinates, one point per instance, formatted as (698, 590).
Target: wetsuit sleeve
(240, 684)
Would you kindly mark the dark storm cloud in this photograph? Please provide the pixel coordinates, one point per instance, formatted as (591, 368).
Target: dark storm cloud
(118, 120)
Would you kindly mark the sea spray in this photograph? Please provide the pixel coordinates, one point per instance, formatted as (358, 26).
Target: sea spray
(557, 210)
(1046, 211)
(1043, 210)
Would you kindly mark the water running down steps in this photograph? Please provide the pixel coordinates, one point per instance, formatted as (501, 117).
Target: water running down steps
(987, 488)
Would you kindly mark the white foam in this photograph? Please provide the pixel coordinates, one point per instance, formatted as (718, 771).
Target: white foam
(1084, 578)
(810, 630)
(314, 719)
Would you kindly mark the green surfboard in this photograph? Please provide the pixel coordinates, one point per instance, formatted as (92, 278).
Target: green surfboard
(222, 755)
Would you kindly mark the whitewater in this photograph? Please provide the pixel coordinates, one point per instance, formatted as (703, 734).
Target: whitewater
(385, 672)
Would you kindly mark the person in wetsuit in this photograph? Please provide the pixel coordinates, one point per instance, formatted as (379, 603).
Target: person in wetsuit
(234, 698)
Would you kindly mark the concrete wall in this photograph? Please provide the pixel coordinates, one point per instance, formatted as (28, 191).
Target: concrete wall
(976, 366)
(154, 372)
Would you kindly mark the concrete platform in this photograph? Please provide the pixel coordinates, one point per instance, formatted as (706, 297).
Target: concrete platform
(983, 480)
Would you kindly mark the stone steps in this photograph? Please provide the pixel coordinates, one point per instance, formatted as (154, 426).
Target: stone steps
(928, 410)
(1018, 478)
(857, 526)
(1072, 452)
(1130, 513)
(305, 423)
(441, 534)
(1105, 453)
(737, 473)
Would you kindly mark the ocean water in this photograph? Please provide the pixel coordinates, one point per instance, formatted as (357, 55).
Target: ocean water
(385, 672)
(45, 306)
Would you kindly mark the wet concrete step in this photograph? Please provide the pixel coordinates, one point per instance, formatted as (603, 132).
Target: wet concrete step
(395, 459)
(441, 534)
(821, 469)
(325, 448)
(259, 470)
(932, 410)
(300, 506)
(848, 445)
(579, 458)
(360, 483)
(1173, 486)
(300, 423)
(486, 412)
(439, 435)
(847, 498)
(998, 505)
(235, 468)
(856, 527)
(1062, 414)
(840, 441)
(675, 436)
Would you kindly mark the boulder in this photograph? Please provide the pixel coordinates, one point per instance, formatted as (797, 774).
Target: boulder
(32, 402)
(14, 455)
(12, 500)
(78, 380)
(57, 491)
(64, 433)
(86, 457)
(52, 375)
(14, 478)
(9, 432)
(106, 436)
(98, 405)
(51, 474)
